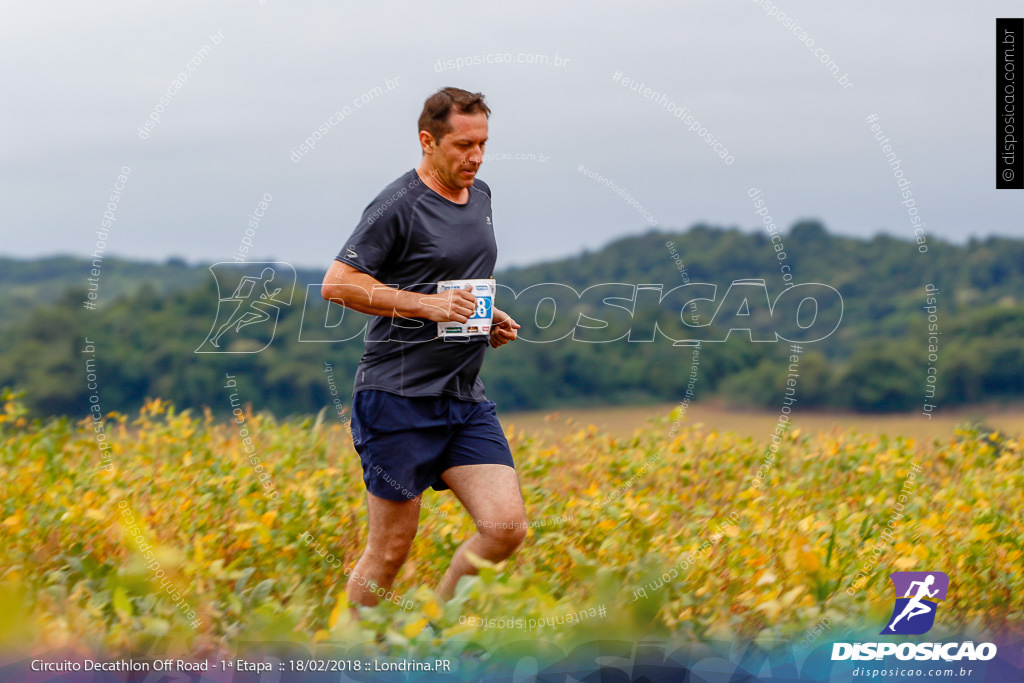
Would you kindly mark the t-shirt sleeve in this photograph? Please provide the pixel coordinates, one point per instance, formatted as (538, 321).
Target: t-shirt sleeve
(374, 238)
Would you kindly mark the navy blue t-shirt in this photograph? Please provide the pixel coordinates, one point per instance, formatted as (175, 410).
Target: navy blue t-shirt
(410, 237)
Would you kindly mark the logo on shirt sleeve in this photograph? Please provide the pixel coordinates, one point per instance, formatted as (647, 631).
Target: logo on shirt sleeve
(351, 253)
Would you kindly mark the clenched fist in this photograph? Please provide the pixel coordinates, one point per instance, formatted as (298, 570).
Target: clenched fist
(455, 305)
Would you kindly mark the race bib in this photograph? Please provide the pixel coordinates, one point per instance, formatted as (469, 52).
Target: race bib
(480, 322)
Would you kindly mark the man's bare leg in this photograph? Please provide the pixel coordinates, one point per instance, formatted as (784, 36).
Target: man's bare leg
(393, 527)
(491, 495)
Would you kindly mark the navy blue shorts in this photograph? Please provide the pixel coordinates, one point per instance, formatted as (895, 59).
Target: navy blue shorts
(406, 442)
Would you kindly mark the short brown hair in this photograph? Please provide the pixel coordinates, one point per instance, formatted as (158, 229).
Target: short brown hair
(438, 108)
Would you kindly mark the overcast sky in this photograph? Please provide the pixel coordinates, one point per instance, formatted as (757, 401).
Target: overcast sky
(81, 79)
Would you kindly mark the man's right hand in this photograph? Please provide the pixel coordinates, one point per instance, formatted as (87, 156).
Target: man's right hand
(454, 305)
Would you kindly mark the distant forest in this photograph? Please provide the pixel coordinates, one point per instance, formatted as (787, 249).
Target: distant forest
(590, 336)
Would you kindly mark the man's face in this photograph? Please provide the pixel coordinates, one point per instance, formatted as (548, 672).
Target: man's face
(457, 157)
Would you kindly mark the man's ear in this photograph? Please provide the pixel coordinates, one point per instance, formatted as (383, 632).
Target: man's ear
(427, 141)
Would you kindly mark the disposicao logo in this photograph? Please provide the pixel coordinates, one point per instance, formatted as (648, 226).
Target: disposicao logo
(917, 594)
(917, 600)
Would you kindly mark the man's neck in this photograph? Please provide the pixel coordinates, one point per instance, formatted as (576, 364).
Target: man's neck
(429, 178)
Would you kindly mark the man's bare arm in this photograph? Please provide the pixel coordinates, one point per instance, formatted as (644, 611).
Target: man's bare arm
(361, 292)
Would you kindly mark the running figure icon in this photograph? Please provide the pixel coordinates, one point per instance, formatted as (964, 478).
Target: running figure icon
(916, 606)
(246, 293)
(251, 298)
(918, 595)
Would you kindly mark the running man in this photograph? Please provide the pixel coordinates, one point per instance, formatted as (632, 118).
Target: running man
(916, 606)
(420, 417)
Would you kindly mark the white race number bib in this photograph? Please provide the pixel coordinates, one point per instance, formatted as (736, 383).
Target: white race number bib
(480, 322)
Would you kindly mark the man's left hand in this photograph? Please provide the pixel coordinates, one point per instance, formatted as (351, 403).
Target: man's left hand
(503, 328)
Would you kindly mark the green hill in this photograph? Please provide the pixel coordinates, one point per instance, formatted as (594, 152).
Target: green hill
(589, 336)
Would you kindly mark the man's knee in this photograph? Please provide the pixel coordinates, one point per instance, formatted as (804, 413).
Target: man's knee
(392, 555)
(508, 534)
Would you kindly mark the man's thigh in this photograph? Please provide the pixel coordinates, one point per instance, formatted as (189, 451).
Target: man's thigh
(479, 469)
(393, 525)
(489, 492)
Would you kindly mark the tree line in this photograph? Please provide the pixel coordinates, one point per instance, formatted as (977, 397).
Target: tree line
(611, 326)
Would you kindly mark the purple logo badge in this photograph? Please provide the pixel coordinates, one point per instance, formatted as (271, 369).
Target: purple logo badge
(917, 596)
